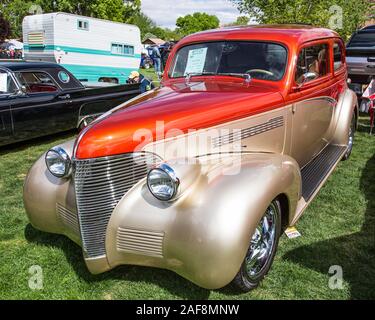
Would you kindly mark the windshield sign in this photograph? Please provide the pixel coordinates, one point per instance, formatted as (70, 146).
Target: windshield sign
(261, 60)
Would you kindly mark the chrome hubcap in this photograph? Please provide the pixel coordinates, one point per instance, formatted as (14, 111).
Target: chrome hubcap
(262, 243)
(351, 138)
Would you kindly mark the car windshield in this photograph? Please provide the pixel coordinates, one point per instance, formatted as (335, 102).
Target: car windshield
(261, 60)
(363, 39)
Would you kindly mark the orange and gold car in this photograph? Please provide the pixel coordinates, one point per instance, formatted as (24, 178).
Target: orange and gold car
(202, 175)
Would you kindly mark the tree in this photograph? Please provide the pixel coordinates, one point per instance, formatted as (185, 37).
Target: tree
(196, 22)
(345, 16)
(149, 29)
(241, 21)
(116, 10)
(4, 28)
(144, 23)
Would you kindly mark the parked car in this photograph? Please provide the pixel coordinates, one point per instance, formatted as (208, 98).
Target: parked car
(38, 99)
(202, 175)
(360, 52)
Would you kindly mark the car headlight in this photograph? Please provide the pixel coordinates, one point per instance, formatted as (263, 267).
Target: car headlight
(163, 182)
(58, 162)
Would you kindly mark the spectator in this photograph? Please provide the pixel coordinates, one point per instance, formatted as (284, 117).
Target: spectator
(165, 54)
(136, 77)
(12, 53)
(156, 57)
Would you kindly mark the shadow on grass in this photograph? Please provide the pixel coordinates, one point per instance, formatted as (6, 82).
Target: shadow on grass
(165, 279)
(355, 253)
(23, 145)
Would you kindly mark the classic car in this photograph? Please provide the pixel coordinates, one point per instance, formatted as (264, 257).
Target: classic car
(202, 175)
(360, 56)
(38, 99)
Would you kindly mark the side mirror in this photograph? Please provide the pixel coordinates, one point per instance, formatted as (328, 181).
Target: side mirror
(306, 77)
(23, 90)
(20, 92)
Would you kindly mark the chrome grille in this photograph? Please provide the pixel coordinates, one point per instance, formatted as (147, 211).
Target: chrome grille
(140, 242)
(69, 218)
(100, 184)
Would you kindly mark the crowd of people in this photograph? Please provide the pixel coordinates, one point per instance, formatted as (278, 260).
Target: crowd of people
(157, 57)
(10, 54)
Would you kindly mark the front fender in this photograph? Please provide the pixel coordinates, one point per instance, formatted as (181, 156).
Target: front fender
(204, 234)
(50, 201)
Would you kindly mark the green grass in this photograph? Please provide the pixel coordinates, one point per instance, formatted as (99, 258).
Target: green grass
(150, 74)
(337, 229)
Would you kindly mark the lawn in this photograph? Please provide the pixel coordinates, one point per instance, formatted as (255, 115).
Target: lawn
(337, 229)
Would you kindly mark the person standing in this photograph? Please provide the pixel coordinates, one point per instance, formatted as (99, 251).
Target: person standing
(156, 56)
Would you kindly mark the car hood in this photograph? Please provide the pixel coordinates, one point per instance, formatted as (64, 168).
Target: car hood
(182, 106)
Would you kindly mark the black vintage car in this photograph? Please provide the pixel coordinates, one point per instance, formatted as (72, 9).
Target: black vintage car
(37, 99)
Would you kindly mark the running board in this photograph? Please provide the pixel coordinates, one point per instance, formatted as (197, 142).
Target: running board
(315, 173)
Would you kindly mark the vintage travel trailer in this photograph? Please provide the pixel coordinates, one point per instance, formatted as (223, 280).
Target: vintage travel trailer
(92, 49)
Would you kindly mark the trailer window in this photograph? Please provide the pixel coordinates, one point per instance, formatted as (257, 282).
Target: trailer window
(83, 25)
(122, 49)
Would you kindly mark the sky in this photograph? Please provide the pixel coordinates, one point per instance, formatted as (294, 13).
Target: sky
(165, 12)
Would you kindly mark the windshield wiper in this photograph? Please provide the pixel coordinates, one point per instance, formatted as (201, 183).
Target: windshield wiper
(197, 74)
(245, 76)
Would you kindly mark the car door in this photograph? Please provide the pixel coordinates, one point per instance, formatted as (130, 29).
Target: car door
(7, 91)
(43, 108)
(313, 110)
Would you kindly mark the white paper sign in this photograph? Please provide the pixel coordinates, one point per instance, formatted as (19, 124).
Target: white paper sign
(292, 233)
(3, 82)
(196, 61)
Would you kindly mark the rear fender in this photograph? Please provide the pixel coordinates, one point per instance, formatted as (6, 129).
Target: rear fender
(347, 106)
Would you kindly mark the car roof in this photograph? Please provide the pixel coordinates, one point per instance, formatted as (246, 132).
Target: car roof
(23, 65)
(287, 33)
(369, 28)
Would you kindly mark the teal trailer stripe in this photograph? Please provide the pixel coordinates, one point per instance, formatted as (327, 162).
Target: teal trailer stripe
(93, 73)
(79, 50)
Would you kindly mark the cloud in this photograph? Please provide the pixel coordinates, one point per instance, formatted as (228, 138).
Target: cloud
(165, 12)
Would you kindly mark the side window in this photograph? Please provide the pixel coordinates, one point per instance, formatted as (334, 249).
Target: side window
(312, 63)
(337, 56)
(36, 82)
(122, 49)
(83, 25)
(7, 85)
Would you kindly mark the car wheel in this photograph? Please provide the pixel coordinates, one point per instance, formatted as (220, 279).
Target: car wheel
(351, 139)
(262, 249)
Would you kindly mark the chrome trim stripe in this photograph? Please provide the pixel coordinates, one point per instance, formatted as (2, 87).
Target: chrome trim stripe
(100, 184)
(248, 132)
(140, 242)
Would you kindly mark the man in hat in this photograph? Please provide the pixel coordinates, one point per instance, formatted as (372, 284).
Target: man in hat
(136, 77)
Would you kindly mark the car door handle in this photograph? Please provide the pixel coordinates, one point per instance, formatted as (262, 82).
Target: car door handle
(371, 66)
(64, 97)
